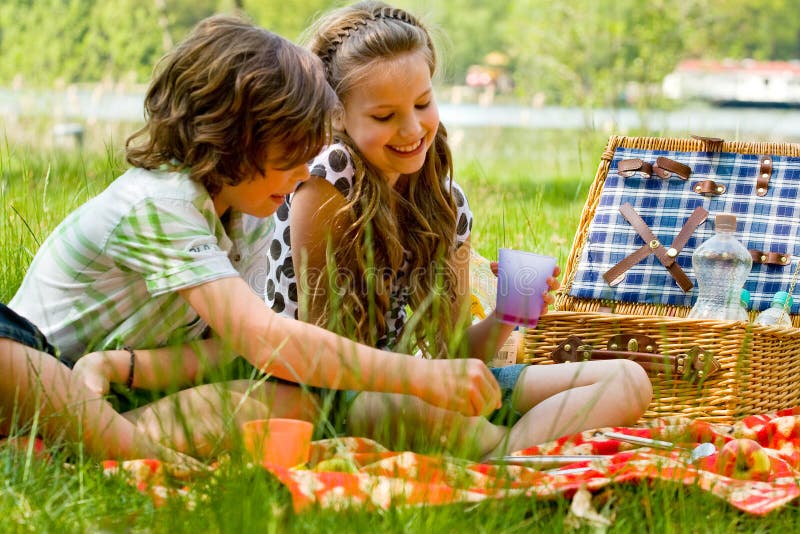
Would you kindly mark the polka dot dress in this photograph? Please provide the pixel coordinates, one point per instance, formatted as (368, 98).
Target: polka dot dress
(334, 164)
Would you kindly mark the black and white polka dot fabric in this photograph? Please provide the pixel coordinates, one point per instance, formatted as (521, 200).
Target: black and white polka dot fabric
(334, 164)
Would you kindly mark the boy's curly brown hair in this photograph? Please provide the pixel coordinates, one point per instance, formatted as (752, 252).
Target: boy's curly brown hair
(226, 94)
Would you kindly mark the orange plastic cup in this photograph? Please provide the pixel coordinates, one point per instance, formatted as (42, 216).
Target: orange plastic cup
(283, 442)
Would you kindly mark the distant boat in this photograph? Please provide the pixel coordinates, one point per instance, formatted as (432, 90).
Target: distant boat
(745, 82)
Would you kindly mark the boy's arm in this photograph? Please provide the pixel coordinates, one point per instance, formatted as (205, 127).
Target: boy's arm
(301, 352)
(152, 368)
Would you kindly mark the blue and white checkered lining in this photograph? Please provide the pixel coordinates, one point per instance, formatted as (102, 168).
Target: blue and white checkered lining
(770, 223)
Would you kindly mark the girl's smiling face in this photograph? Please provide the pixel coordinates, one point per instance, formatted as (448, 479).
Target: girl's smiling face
(392, 116)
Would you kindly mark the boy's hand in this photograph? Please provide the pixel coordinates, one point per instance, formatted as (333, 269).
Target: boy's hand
(466, 386)
(91, 371)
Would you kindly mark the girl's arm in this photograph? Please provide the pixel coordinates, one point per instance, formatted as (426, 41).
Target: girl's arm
(162, 368)
(487, 336)
(316, 223)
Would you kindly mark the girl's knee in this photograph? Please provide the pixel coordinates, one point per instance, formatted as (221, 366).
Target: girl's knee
(635, 384)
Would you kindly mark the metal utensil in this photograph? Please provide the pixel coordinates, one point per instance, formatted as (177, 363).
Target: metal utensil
(544, 461)
(636, 440)
(702, 450)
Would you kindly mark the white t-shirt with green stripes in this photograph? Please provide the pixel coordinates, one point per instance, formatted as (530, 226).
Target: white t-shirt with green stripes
(108, 275)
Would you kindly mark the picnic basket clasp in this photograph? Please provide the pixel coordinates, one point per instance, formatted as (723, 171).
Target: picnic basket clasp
(652, 245)
(693, 365)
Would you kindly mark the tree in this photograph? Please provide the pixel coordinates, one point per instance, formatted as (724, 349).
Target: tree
(586, 52)
(286, 18)
(740, 29)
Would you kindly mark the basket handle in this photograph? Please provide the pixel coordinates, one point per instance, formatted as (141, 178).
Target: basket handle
(693, 366)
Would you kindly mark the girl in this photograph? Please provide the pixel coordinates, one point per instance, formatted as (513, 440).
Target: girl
(176, 245)
(381, 202)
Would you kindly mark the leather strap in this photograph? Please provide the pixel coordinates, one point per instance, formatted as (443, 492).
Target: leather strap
(665, 167)
(771, 258)
(708, 140)
(709, 188)
(628, 167)
(615, 275)
(764, 174)
(653, 246)
(698, 217)
(694, 365)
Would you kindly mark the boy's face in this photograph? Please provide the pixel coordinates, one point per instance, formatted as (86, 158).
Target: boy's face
(392, 115)
(261, 195)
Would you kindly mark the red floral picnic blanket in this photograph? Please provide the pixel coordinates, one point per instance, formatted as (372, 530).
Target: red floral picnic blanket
(359, 472)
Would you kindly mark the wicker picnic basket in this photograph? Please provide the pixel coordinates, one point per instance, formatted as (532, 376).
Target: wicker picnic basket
(712, 370)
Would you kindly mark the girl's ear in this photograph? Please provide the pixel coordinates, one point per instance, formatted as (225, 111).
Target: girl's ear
(337, 118)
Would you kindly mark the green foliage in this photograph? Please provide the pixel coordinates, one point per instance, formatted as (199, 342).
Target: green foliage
(36, 193)
(586, 52)
(758, 29)
(526, 189)
(465, 31)
(286, 18)
(87, 41)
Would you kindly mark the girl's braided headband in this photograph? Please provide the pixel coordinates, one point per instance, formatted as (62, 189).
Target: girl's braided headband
(383, 13)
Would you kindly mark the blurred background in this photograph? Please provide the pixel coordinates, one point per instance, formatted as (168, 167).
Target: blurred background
(73, 72)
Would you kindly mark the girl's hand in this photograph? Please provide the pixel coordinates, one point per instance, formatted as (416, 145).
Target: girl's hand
(92, 372)
(552, 285)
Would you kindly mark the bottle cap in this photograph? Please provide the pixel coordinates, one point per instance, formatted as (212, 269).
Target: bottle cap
(782, 297)
(744, 298)
(725, 221)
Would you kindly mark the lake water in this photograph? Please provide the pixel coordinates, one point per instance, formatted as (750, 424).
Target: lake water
(76, 105)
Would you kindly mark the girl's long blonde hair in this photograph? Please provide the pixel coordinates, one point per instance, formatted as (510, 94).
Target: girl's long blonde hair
(421, 219)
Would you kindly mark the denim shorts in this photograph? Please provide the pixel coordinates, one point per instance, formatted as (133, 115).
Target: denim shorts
(17, 328)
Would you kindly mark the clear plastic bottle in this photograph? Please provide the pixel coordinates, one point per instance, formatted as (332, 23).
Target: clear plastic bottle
(776, 314)
(721, 265)
(744, 304)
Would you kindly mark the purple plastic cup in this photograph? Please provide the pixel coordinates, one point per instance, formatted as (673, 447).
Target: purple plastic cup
(521, 286)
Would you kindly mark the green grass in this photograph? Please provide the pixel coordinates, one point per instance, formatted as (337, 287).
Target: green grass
(526, 190)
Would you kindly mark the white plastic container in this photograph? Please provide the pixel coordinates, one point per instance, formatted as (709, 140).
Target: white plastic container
(778, 312)
(721, 265)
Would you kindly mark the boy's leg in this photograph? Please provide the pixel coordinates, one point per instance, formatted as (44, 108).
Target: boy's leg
(203, 421)
(35, 386)
(285, 399)
(407, 422)
(556, 400)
